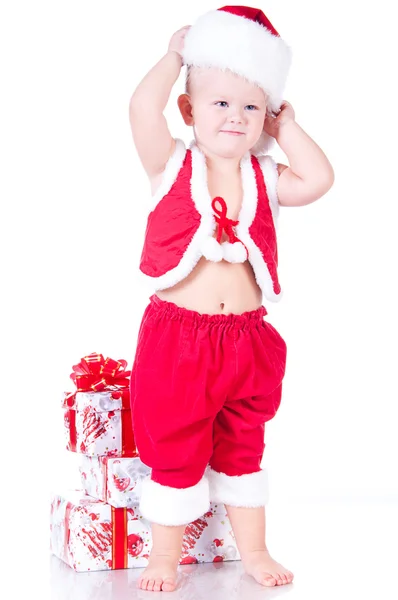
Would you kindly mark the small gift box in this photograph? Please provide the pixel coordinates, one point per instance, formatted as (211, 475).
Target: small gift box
(91, 535)
(116, 481)
(97, 415)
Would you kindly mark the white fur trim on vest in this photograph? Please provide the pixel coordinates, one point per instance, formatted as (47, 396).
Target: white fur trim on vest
(170, 173)
(201, 244)
(234, 253)
(211, 249)
(269, 169)
(246, 217)
(226, 41)
(174, 506)
(240, 490)
(206, 229)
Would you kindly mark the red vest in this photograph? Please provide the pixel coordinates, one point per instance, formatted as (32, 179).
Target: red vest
(183, 218)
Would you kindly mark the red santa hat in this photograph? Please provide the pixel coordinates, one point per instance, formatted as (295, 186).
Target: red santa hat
(242, 40)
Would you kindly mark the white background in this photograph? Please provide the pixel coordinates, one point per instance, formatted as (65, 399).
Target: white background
(74, 198)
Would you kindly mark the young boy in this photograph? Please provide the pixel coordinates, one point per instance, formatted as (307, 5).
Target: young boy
(208, 368)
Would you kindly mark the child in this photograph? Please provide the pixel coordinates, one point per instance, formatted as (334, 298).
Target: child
(208, 369)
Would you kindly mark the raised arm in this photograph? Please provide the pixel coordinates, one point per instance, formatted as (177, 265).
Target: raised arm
(310, 174)
(151, 134)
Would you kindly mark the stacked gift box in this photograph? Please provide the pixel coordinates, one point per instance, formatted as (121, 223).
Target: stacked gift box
(99, 526)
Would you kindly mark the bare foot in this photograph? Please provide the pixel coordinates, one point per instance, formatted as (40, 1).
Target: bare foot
(160, 574)
(265, 569)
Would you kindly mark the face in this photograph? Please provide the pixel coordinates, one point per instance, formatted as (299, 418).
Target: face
(221, 101)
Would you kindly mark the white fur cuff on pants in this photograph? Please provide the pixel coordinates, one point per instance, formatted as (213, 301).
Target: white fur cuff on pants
(239, 490)
(174, 506)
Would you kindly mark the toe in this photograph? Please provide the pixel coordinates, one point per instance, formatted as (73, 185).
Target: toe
(269, 579)
(168, 585)
(143, 584)
(150, 585)
(158, 584)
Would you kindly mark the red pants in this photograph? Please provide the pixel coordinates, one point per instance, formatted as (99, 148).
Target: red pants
(202, 388)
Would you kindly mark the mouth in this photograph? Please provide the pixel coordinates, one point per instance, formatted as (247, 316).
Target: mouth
(232, 132)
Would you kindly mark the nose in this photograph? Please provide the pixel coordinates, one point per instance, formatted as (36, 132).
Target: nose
(236, 116)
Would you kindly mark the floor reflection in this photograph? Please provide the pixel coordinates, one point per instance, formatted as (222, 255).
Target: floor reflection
(335, 550)
(208, 581)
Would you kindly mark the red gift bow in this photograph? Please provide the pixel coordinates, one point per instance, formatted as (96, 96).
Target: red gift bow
(92, 374)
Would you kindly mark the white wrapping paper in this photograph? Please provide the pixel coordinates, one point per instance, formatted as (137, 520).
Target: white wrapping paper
(97, 424)
(114, 480)
(83, 535)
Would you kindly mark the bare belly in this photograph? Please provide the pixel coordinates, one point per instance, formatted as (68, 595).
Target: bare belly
(216, 287)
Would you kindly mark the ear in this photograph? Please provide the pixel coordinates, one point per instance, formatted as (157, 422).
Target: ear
(185, 105)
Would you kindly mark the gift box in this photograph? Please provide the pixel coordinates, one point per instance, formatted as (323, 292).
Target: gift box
(116, 481)
(91, 535)
(97, 415)
(99, 423)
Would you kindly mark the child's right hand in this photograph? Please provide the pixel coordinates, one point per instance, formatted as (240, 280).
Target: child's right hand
(176, 43)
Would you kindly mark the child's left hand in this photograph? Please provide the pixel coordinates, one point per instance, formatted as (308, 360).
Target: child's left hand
(272, 122)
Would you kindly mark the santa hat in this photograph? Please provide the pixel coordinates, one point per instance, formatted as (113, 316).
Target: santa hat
(242, 40)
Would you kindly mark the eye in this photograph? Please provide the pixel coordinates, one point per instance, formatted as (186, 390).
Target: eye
(224, 102)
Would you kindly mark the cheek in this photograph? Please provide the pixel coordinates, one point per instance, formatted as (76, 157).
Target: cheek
(209, 119)
(258, 120)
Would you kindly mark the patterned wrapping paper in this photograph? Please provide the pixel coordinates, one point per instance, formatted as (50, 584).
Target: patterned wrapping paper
(99, 423)
(91, 535)
(116, 481)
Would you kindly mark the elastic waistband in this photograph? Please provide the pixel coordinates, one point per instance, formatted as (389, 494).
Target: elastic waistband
(245, 320)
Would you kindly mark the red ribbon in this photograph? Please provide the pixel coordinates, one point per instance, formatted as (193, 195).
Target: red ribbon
(68, 510)
(119, 538)
(225, 223)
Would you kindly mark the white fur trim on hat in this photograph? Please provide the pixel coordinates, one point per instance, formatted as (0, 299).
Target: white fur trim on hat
(174, 506)
(227, 41)
(240, 490)
(234, 253)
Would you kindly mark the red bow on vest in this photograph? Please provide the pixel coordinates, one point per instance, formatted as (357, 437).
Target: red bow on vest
(225, 223)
